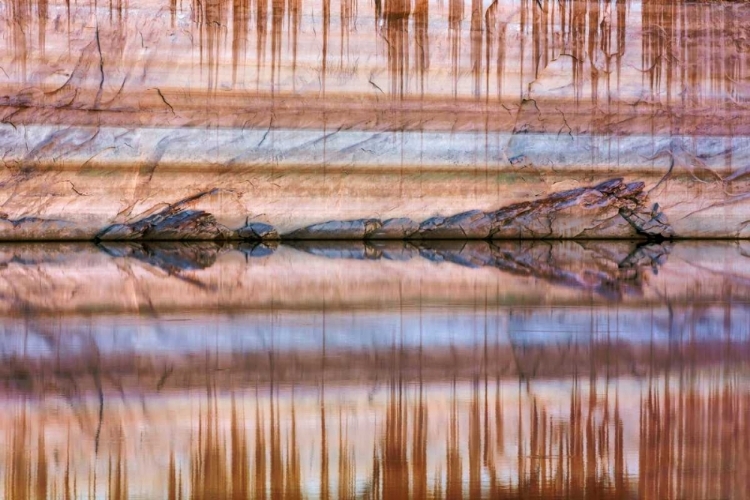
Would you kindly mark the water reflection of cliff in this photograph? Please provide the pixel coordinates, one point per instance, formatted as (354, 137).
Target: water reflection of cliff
(676, 436)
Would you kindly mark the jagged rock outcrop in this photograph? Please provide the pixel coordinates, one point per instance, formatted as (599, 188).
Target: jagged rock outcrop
(337, 230)
(170, 224)
(395, 229)
(568, 214)
(28, 228)
(474, 224)
(610, 209)
(257, 231)
(652, 224)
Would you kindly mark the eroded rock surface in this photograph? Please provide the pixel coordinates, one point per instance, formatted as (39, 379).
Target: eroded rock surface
(474, 224)
(395, 229)
(27, 228)
(568, 214)
(170, 224)
(610, 209)
(652, 224)
(344, 230)
(257, 231)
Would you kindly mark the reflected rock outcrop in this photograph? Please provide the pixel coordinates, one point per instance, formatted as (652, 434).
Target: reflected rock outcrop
(608, 275)
(172, 257)
(184, 255)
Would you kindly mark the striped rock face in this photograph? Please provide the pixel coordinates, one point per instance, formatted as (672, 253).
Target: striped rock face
(423, 119)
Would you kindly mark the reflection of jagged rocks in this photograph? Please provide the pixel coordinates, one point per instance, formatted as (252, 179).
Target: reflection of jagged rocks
(610, 208)
(564, 264)
(358, 250)
(174, 256)
(544, 261)
(170, 256)
(257, 249)
(652, 255)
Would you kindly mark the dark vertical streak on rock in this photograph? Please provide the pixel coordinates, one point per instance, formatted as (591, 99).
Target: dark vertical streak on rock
(215, 21)
(591, 50)
(42, 12)
(496, 33)
(421, 41)
(455, 16)
(536, 36)
(261, 26)
(240, 27)
(476, 46)
(621, 6)
(294, 9)
(326, 28)
(277, 18)
(19, 14)
(577, 31)
(396, 18)
(347, 15)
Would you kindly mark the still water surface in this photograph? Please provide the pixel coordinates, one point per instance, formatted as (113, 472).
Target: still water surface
(352, 370)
